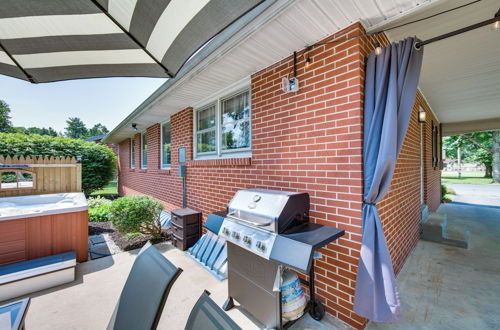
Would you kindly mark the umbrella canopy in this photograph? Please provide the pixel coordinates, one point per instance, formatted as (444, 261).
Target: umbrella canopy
(52, 40)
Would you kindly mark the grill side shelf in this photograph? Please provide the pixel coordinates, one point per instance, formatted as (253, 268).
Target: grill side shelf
(303, 240)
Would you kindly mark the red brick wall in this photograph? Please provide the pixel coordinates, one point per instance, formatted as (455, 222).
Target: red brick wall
(432, 175)
(310, 141)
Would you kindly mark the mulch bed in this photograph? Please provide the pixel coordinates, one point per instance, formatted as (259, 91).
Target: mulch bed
(125, 244)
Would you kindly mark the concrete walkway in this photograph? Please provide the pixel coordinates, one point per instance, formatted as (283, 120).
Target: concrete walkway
(88, 302)
(443, 287)
(477, 194)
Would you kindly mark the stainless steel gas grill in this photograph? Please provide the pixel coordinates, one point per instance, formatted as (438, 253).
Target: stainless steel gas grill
(266, 231)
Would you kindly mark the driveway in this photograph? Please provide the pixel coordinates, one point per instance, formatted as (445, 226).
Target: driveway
(477, 194)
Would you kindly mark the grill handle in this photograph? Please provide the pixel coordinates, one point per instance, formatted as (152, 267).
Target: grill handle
(253, 223)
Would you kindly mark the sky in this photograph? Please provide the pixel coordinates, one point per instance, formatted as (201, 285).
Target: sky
(106, 100)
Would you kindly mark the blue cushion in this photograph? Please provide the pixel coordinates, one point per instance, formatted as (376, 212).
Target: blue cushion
(35, 263)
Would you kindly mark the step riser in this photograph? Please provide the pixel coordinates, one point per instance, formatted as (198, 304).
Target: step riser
(433, 229)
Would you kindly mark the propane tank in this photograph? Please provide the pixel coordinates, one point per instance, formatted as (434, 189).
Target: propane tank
(293, 300)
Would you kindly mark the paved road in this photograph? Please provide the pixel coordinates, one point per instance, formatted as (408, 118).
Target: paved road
(477, 194)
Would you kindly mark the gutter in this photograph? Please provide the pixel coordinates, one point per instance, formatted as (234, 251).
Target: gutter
(196, 60)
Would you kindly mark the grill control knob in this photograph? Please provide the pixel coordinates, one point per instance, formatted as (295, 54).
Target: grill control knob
(247, 240)
(225, 231)
(236, 235)
(260, 245)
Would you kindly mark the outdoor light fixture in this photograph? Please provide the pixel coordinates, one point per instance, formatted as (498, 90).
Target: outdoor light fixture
(308, 57)
(496, 24)
(421, 116)
(308, 61)
(134, 126)
(378, 49)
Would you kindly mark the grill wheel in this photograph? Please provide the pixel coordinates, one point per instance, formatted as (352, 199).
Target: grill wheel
(317, 310)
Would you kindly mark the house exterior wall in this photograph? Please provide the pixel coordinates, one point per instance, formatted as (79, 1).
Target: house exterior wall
(310, 140)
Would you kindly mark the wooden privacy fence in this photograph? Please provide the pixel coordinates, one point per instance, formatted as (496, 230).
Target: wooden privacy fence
(21, 175)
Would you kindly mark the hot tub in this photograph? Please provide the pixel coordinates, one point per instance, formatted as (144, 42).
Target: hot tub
(42, 225)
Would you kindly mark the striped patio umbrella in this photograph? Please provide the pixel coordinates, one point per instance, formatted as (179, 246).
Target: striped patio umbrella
(53, 40)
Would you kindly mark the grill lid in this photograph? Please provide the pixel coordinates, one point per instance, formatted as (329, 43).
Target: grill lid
(269, 209)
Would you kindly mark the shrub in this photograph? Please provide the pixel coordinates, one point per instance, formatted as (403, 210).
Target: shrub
(444, 191)
(132, 214)
(95, 202)
(98, 161)
(99, 214)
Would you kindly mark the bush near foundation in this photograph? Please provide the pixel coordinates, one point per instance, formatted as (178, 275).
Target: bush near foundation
(98, 161)
(99, 209)
(132, 214)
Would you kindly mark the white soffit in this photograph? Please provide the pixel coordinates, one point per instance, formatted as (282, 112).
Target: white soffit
(460, 75)
(286, 26)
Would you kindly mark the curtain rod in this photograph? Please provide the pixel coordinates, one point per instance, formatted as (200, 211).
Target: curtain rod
(459, 31)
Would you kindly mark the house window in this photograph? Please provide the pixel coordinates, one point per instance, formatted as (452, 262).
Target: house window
(205, 131)
(235, 122)
(132, 153)
(165, 146)
(223, 128)
(144, 151)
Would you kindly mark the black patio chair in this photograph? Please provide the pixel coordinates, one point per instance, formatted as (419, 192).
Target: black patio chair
(145, 292)
(207, 315)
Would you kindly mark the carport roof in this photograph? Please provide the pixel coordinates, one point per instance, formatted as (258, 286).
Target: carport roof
(460, 75)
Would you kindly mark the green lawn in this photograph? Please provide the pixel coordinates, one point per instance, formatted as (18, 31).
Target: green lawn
(110, 189)
(467, 178)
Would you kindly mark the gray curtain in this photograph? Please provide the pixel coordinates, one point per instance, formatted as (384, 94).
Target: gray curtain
(390, 88)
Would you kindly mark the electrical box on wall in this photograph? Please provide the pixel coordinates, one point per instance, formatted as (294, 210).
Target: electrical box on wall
(289, 85)
(182, 171)
(182, 155)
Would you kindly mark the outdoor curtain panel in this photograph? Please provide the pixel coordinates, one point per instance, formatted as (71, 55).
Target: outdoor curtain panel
(51, 40)
(390, 88)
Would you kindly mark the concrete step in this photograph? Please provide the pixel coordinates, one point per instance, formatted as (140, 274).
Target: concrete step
(424, 211)
(434, 229)
(457, 237)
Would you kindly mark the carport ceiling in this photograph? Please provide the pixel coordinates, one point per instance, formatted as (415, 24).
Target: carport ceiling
(460, 75)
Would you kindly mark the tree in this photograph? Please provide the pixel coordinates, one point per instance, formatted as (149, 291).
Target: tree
(35, 130)
(480, 148)
(76, 129)
(496, 156)
(97, 129)
(5, 123)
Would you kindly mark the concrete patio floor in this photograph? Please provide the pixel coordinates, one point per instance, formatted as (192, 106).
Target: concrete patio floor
(88, 302)
(443, 287)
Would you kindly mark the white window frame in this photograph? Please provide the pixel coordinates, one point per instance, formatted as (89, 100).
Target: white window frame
(217, 100)
(143, 134)
(132, 154)
(207, 154)
(165, 166)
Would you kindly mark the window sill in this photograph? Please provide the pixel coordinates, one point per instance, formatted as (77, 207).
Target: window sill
(131, 169)
(165, 171)
(245, 161)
